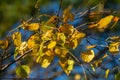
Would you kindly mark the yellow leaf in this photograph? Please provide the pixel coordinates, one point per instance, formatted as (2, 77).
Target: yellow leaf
(16, 38)
(75, 38)
(87, 56)
(45, 61)
(48, 52)
(78, 35)
(107, 73)
(97, 63)
(103, 23)
(4, 44)
(67, 65)
(52, 20)
(66, 28)
(32, 41)
(31, 26)
(114, 48)
(61, 51)
(90, 46)
(23, 47)
(47, 34)
(51, 45)
(67, 15)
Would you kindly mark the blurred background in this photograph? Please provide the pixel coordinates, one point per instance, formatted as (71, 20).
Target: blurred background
(13, 11)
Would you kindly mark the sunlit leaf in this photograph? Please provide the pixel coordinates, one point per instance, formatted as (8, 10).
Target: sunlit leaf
(90, 46)
(4, 44)
(16, 38)
(16, 52)
(51, 45)
(103, 23)
(33, 42)
(75, 38)
(61, 51)
(61, 37)
(31, 26)
(92, 67)
(23, 47)
(47, 35)
(78, 35)
(52, 20)
(87, 56)
(45, 61)
(67, 65)
(114, 48)
(107, 73)
(66, 28)
(67, 15)
(23, 71)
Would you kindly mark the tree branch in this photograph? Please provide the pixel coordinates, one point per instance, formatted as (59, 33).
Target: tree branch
(17, 59)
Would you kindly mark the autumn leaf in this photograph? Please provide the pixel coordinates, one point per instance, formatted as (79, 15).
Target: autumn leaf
(30, 26)
(107, 73)
(52, 20)
(23, 47)
(22, 71)
(87, 56)
(51, 45)
(90, 46)
(4, 44)
(67, 65)
(67, 15)
(66, 28)
(103, 23)
(45, 61)
(114, 47)
(75, 38)
(61, 51)
(16, 38)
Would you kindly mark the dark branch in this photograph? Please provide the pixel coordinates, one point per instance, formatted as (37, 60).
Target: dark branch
(17, 59)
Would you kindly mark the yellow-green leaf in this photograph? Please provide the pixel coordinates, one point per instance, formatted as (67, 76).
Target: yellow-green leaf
(51, 45)
(67, 65)
(45, 61)
(16, 38)
(16, 52)
(117, 76)
(23, 71)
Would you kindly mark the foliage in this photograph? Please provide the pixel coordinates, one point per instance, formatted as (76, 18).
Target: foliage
(58, 37)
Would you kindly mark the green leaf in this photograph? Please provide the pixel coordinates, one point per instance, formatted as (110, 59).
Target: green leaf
(117, 76)
(16, 52)
(23, 71)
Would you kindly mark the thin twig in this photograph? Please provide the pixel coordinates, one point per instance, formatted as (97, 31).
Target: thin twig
(17, 59)
(84, 72)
